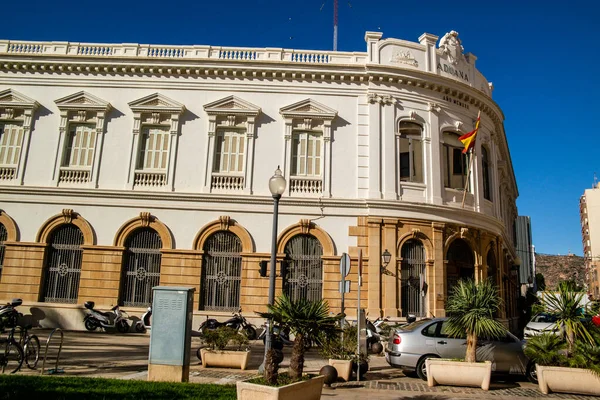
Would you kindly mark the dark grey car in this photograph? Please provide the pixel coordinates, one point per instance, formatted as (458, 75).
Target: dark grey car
(411, 345)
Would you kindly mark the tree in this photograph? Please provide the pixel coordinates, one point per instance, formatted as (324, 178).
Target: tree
(307, 320)
(471, 307)
(568, 306)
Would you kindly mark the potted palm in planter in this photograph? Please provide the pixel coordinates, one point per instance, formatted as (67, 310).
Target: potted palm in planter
(470, 308)
(569, 362)
(216, 355)
(340, 349)
(306, 320)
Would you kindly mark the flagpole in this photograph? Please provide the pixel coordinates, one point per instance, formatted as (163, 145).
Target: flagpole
(468, 175)
(470, 162)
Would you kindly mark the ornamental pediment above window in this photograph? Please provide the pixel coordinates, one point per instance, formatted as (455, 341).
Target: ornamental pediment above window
(82, 101)
(308, 108)
(232, 105)
(156, 102)
(13, 105)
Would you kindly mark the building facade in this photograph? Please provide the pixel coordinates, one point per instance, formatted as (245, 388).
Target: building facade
(126, 166)
(589, 210)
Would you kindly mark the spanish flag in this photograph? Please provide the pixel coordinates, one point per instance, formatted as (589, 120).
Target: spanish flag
(468, 139)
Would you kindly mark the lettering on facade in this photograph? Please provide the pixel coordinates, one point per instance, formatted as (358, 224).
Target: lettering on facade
(455, 101)
(404, 57)
(453, 71)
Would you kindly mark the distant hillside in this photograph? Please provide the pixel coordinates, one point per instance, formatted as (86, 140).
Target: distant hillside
(560, 268)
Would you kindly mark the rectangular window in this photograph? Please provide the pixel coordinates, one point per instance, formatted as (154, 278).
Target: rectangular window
(306, 154)
(79, 151)
(154, 148)
(11, 139)
(411, 159)
(456, 166)
(229, 148)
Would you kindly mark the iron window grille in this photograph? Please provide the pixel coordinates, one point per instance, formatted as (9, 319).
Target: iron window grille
(221, 272)
(141, 267)
(412, 281)
(63, 265)
(303, 272)
(3, 237)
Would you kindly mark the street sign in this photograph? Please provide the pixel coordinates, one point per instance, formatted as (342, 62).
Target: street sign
(344, 286)
(345, 265)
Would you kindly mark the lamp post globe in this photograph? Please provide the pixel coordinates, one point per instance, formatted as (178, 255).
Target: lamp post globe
(386, 257)
(277, 183)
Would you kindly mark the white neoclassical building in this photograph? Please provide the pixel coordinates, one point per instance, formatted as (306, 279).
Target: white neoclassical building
(125, 166)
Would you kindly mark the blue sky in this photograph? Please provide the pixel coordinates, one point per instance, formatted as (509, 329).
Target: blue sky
(542, 57)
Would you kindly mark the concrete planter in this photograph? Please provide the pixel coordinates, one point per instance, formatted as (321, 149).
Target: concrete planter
(458, 373)
(305, 390)
(225, 358)
(567, 380)
(343, 368)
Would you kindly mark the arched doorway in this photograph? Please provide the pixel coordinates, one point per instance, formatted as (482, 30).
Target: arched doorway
(303, 271)
(460, 264)
(141, 267)
(412, 272)
(63, 265)
(221, 272)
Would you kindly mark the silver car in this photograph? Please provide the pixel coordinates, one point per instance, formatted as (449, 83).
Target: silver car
(412, 344)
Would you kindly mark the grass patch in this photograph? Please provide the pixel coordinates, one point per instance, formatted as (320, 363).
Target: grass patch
(67, 388)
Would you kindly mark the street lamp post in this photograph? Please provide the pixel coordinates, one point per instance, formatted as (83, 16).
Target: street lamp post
(277, 187)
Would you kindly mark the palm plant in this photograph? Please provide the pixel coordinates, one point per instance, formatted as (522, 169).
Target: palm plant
(307, 320)
(471, 307)
(546, 349)
(568, 306)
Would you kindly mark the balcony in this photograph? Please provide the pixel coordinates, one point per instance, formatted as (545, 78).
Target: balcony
(74, 175)
(8, 173)
(306, 186)
(149, 179)
(226, 182)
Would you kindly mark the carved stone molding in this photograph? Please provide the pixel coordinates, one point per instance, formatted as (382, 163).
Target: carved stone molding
(383, 99)
(145, 218)
(434, 107)
(224, 222)
(67, 214)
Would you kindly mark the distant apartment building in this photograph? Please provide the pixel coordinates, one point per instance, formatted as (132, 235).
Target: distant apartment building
(526, 253)
(589, 209)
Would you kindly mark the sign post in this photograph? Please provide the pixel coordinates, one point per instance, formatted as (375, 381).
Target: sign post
(344, 284)
(358, 315)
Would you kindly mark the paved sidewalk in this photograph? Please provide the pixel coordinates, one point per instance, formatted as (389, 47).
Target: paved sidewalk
(125, 356)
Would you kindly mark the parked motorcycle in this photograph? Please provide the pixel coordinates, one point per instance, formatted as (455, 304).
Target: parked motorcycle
(8, 314)
(143, 324)
(113, 319)
(237, 322)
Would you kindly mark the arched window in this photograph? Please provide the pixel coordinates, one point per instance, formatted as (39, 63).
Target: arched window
(141, 267)
(413, 285)
(410, 151)
(303, 272)
(3, 236)
(63, 265)
(455, 163)
(485, 166)
(221, 272)
(492, 270)
(460, 263)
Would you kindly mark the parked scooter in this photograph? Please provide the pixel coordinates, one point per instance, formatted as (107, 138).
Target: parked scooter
(143, 324)
(237, 322)
(114, 319)
(9, 314)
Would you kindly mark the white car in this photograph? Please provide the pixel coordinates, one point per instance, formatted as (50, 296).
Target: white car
(541, 323)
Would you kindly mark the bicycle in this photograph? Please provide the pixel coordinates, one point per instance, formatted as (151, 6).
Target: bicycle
(12, 357)
(30, 345)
